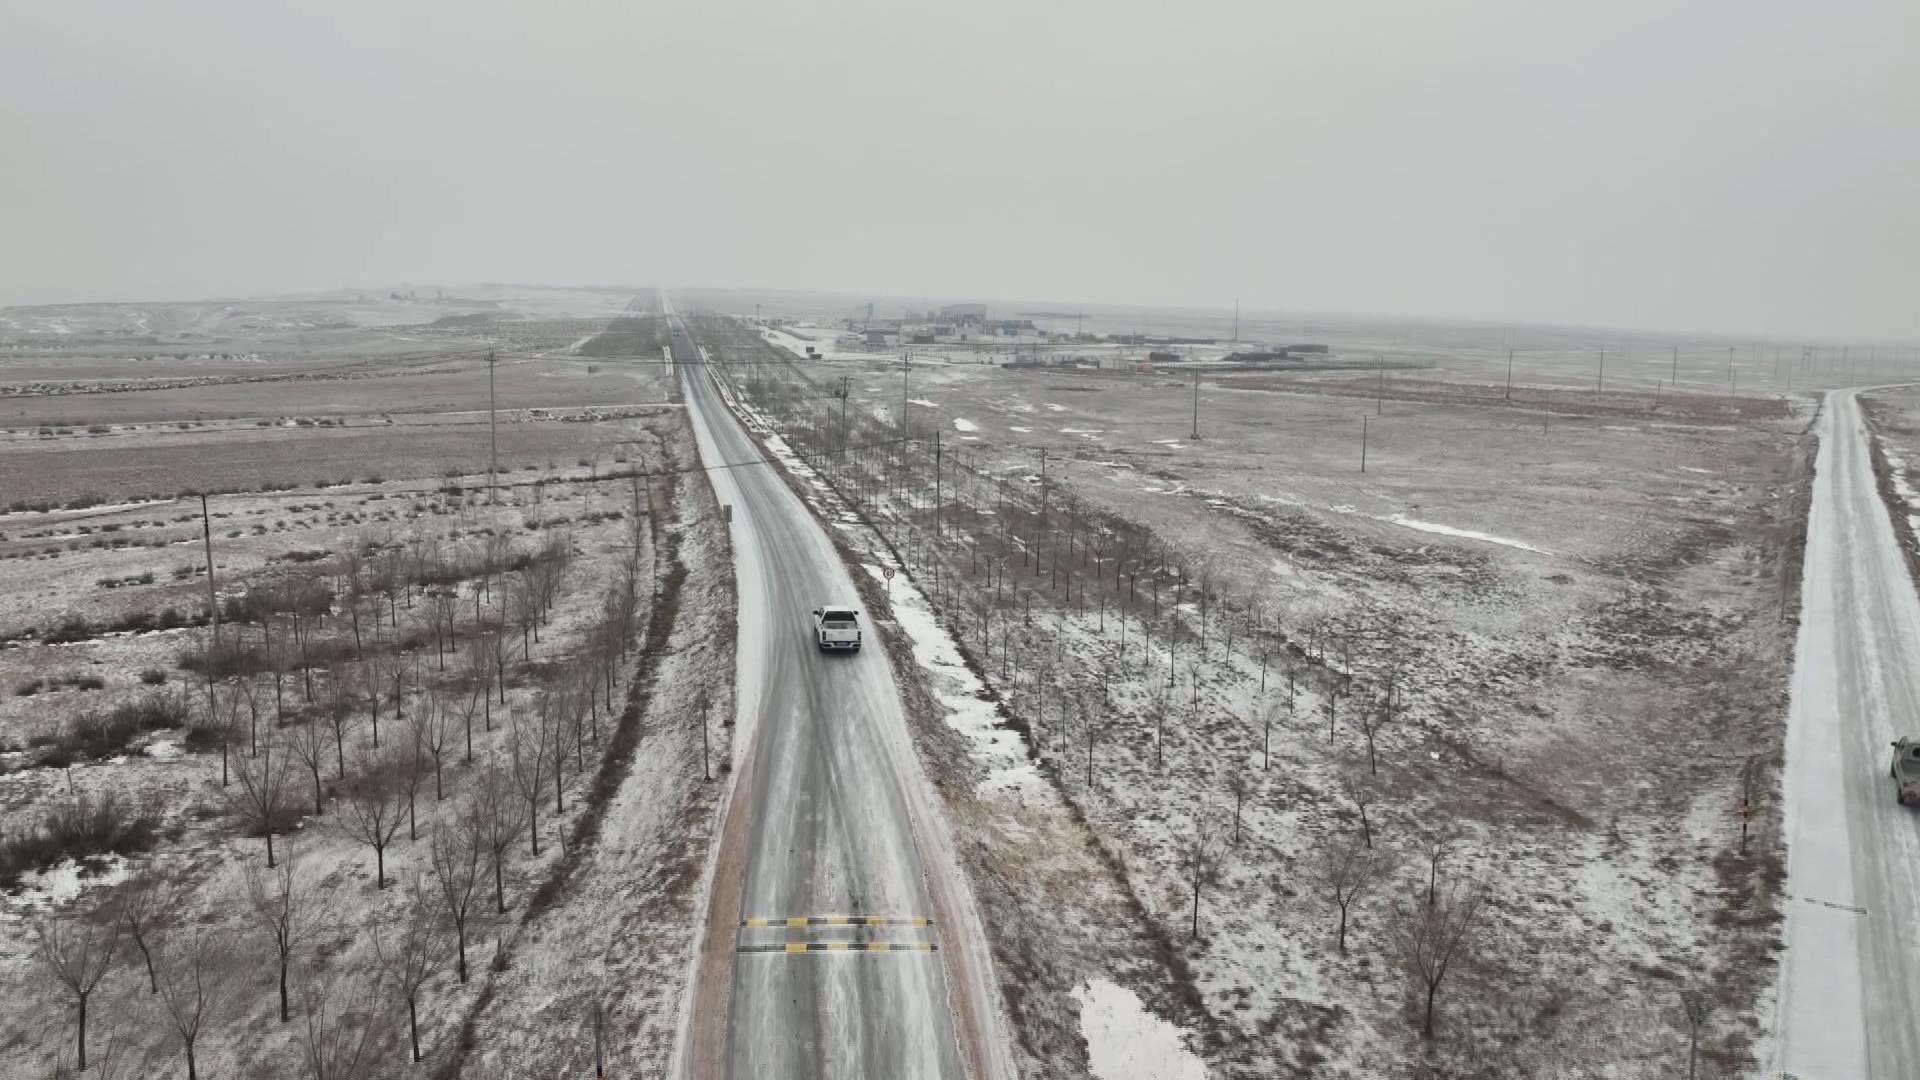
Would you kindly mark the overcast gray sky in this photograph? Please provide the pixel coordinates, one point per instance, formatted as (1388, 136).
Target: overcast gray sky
(1733, 165)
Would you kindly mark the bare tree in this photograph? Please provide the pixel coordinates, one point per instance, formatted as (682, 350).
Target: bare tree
(1435, 841)
(459, 851)
(308, 744)
(145, 906)
(250, 693)
(410, 767)
(443, 614)
(1752, 791)
(527, 749)
(1347, 869)
(467, 700)
(1696, 1010)
(1239, 784)
(1373, 718)
(77, 951)
(524, 610)
(1431, 938)
(1269, 712)
(1360, 791)
(498, 824)
(431, 728)
(337, 711)
(373, 670)
(344, 1037)
(1200, 864)
(261, 781)
(281, 911)
(194, 985)
(408, 952)
(370, 810)
(553, 722)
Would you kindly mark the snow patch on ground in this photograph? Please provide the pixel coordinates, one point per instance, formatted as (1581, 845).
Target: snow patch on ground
(164, 749)
(969, 711)
(1051, 407)
(60, 883)
(923, 401)
(964, 424)
(1021, 430)
(1466, 534)
(1126, 1042)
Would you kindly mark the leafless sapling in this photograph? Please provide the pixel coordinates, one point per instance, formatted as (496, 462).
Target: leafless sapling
(407, 950)
(430, 727)
(1200, 864)
(1240, 783)
(1347, 869)
(282, 911)
(552, 710)
(1431, 938)
(261, 781)
(370, 810)
(458, 850)
(1360, 791)
(1752, 790)
(77, 951)
(146, 905)
(527, 756)
(1374, 717)
(443, 615)
(337, 710)
(196, 983)
(307, 742)
(344, 1036)
(1436, 840)
(499, 824)
(1695, 1013)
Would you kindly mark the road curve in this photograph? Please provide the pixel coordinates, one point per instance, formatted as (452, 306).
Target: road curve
(829, 825)
(1849, 1003)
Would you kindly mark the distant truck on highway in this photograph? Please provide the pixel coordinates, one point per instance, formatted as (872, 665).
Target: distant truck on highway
(836, 628)
(1906, 771)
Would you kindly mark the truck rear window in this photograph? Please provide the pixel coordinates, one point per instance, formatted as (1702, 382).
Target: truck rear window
(839, 620)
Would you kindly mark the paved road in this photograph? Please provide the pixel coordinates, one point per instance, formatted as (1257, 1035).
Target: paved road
(831, 833)
(1850, 985)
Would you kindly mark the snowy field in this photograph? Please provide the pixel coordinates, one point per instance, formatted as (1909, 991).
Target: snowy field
(401, 658)
(1566, 635)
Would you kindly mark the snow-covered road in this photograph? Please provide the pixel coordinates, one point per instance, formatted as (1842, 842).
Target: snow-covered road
(1849, 1003)
(831, 821)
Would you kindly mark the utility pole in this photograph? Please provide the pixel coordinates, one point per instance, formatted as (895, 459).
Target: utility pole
(1674, 375)
(493, 436)
(1196, 404)
(936, 481)
(906, 359)
(1509, 395)
(1380, 390)
(1363, 442)
(1236, 320)
(1730, 381)
(1600, 382)
(213, 596)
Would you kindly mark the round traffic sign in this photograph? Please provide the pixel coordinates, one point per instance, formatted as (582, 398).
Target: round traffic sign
(887, 572)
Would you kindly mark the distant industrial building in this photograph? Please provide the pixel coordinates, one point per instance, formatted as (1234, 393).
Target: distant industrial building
(964, 313)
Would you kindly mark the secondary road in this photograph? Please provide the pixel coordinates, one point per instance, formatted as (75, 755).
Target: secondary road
(829, 811)
(1850, 985)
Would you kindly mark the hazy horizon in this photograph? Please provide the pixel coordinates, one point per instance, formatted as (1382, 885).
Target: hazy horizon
(1711, 169)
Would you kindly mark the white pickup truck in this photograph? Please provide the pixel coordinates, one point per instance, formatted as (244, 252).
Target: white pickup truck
(836, 628)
